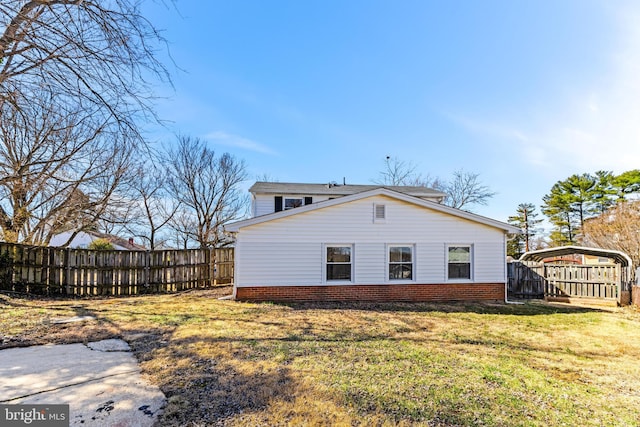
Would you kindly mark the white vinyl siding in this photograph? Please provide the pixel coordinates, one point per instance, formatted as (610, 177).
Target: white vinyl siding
(289, 251)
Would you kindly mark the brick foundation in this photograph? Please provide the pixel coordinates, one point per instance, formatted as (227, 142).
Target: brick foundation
(379, 293)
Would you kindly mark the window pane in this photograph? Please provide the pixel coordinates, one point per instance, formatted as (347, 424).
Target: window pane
(338, 271)
(400, 272)
(395, 271)
(292, 203)
(459, 254)
(338, 254)
(406, 254)
(400, 254)
(395, 254)
(459, 271)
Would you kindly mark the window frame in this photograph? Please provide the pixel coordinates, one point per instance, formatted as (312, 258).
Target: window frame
(325, 262)
(412, 248)
(470, 262)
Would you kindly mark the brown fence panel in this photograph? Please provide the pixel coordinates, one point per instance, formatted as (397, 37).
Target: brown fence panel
(223, 262)
(525, 280)
(537, 280)
(582, 281)
(84, 272)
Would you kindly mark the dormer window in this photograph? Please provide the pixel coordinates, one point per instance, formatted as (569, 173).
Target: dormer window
(291, 203)
(283, 203)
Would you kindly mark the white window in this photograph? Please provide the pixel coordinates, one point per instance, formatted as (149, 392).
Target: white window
(459, 262)
(291, 203)
(401, 262)
(339, 266)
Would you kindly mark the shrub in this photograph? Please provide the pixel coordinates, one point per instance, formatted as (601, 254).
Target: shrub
(101, 245)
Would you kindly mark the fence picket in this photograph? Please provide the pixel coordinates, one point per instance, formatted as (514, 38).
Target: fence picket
(84, 272)
(534, 280)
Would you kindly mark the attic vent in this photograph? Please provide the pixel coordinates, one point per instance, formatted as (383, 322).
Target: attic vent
(379, 212)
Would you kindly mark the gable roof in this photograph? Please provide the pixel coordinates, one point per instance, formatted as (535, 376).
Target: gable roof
(125, 244)
(377, 191)
(333, 189)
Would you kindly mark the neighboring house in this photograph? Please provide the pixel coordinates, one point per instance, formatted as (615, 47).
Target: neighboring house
(579, 259)
(365, 243)
(84, 238)
(596, 260)
(269, 197)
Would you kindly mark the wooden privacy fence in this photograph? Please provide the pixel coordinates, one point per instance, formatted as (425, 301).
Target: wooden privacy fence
(84, 272)
(525, 280)
(537, 280)
(582, 281)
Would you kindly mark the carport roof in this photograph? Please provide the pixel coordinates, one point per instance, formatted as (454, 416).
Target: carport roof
(619, 257)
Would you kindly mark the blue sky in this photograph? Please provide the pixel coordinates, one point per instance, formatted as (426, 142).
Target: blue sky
(525, 93)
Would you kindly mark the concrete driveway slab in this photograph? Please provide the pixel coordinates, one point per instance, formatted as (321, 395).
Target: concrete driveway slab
(102, 385)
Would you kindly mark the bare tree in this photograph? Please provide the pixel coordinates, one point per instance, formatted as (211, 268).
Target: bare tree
(207, 187)
(98, 54)
(465, 190)
(616, 229)
(74, 84)
(157, 208)
(59, 167)
(398, 172)
(184, 226)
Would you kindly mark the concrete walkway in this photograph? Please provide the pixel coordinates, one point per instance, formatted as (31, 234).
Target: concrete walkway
(100, 382)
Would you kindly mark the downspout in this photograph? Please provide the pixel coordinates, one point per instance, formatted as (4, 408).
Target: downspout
(506, 276)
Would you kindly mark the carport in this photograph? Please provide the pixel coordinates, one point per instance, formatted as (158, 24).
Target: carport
(610, 283)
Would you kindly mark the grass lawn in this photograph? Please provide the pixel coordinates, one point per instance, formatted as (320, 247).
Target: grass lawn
(230, 363)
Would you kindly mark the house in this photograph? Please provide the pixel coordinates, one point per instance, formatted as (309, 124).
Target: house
(83, 239)
(365, 243)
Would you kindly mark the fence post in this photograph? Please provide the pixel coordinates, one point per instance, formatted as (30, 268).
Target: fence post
(213, 281)
(67, 270)
(147, 268)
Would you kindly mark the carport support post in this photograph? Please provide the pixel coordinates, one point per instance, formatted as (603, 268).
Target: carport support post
(619, 282)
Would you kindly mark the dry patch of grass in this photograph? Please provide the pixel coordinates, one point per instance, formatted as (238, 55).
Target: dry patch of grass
(230, 363)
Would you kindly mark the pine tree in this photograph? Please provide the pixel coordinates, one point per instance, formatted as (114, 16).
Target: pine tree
(627, 183)
(604, 192)
(526, 219)
(568, 204)
(557, 207)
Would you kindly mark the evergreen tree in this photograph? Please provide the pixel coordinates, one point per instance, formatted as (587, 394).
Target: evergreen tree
(558, 208)
(580, 197)
(526, 219)
(627, 183)
(604, 192)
